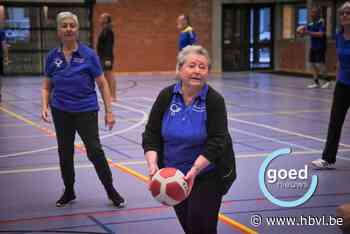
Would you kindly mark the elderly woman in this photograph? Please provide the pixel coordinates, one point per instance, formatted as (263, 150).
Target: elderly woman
(341, 96)
(187, 129)
(69, 88)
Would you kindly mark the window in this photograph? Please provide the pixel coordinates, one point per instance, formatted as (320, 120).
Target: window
(301, 16)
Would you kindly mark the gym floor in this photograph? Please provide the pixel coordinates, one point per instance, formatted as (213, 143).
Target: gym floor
(266, 112)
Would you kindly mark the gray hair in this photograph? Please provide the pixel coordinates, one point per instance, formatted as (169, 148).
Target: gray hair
(66, 14)
(344, 6)
(341, 10)
(191, 49)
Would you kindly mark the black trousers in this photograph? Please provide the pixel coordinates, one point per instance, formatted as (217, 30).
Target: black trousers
(340, 106)
(198, 214)
(86, 124)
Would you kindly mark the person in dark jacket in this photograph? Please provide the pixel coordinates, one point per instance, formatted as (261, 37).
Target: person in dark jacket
(105, 48)
(187, 129)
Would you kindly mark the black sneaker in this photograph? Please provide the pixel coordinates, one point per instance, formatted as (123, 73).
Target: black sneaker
(117, 200)
(65, 199)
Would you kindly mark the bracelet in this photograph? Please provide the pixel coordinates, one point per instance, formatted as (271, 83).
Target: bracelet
(109, 111)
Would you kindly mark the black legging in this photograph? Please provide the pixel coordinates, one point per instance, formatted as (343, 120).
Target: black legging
(340, 106)
(86, 124)
(198, 214)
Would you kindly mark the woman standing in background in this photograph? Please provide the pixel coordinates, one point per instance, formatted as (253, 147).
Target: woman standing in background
(105, 46)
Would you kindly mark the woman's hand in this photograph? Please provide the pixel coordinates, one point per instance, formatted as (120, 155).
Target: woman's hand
(190, 177)
(152, 169)
(45, 115)
(152, 165)
(109, 120)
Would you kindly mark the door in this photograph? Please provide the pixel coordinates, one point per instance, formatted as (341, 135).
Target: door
(247, 37)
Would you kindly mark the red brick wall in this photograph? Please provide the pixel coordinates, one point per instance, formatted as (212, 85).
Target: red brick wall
(146, 31)
(291, 56)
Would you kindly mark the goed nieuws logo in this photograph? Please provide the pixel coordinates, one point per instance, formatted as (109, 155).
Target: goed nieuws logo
(281, 175)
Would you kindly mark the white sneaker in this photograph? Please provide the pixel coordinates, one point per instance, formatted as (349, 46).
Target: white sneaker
(321, 164)
(313, 86)
(326, 85)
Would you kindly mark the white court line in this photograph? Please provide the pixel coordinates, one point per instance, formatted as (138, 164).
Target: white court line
(280, 94)
(272, 139)
(283, 131)
(143, 162)
(23, 137)
(256, 155)
(311, 150)
(56, 168)
(141, 122)
(278, 113)
(273, 128)
(10, 125)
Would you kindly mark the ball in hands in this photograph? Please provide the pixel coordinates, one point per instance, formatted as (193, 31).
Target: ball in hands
(301, 30)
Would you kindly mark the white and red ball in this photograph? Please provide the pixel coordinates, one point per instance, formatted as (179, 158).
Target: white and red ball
(301, 29)
(169, 187)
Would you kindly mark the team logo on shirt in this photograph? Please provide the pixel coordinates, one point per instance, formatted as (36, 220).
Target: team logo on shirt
(78, 60)
(198, 108)
(174, 108)
(58, 62)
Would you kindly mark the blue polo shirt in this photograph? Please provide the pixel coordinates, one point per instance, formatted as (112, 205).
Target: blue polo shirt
(343, 53)
(187, 37)
(317, 43)
(73, 81)
(184, 130)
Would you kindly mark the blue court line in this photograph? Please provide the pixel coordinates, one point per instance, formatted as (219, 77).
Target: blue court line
(101, 225)
(117, 151)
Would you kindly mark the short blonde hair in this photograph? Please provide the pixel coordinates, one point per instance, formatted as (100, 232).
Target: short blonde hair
(66, 14)
(195, 49)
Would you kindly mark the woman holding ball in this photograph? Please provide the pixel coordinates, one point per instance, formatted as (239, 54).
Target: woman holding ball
(187, 129)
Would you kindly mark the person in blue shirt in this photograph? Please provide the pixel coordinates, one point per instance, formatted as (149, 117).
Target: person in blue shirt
(3, 56)
(187, 130)
(71, 72)
(341, 96)
(318, 45)
(187, 35)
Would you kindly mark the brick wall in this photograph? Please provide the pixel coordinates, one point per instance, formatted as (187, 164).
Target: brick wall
(291, 56)
(146, 31)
